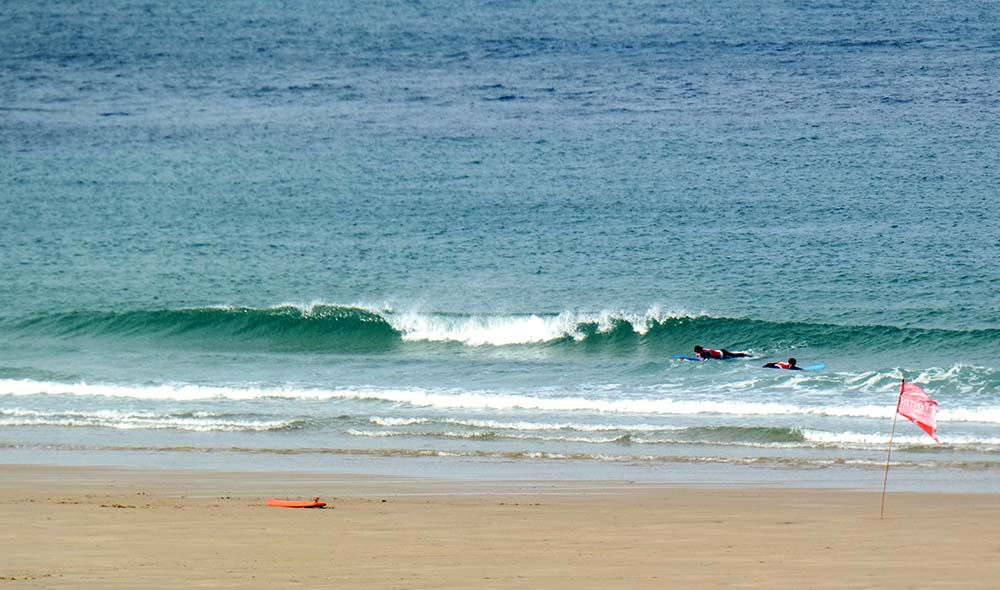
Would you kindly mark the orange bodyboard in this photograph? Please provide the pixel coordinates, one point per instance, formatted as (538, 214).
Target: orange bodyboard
(275, 503)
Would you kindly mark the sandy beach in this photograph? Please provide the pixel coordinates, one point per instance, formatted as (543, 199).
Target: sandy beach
(107, 528)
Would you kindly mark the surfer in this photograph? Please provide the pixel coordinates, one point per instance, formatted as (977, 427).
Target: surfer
(710, 353)
(790, 365)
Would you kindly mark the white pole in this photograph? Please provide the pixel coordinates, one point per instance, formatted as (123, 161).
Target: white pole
(885, 481)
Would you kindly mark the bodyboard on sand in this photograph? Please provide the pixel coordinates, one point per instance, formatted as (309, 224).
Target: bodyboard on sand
(276, 503)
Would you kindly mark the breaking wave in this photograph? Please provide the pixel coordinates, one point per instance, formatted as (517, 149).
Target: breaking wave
(339, 328)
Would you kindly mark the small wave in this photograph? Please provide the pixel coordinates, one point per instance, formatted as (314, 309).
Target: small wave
(881, 440)
(467, 435)
(524, 425)
(487, 435)
(126, 420)
(742, 434)
(620, 432)
(961, 378)
(397, 421)
(645, 434)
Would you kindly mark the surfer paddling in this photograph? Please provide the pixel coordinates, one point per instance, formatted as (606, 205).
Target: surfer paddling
(790, 365)
(722, 353)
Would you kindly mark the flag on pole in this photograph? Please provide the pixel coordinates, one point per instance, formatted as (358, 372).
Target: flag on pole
(918, 407)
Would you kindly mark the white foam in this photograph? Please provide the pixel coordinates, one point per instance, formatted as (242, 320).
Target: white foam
(181, 392)
(504, 330)
(393, 422)
(374, 433)
(479, 331)
(481, 400)
(132, 420)
(882, 439)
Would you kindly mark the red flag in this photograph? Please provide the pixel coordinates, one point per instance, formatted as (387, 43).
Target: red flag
(918, 407)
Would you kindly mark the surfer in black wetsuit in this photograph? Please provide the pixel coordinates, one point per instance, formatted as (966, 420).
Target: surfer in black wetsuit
(722, 353)
(790, 365)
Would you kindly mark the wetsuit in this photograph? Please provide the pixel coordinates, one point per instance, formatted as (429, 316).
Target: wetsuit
(782, 366)
(709, 353)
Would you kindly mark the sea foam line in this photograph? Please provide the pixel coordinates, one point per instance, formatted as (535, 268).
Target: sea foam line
(479, 400)
(128, 420)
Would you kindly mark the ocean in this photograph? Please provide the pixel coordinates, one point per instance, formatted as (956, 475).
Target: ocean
(472, 237)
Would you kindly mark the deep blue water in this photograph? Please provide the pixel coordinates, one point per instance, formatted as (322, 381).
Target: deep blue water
(486, 228)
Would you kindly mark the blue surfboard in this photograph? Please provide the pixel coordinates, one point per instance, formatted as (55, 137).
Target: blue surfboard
(688, 358)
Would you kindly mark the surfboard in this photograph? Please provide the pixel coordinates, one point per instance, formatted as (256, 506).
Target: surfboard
(276, 503)
(688, 358)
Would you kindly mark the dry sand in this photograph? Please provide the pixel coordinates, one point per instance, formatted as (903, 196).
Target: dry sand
(106, 528)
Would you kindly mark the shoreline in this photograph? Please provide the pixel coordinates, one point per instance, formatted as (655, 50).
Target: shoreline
(836, 475)
(93, 527)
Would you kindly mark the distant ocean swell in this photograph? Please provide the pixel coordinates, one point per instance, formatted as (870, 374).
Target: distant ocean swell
(347, 329)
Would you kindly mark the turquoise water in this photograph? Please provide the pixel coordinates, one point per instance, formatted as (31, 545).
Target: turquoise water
(484, 230)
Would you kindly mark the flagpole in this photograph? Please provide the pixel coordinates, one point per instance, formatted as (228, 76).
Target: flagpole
(885, 481)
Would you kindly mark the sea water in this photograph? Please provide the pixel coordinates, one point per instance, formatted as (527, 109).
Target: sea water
(480, 232)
